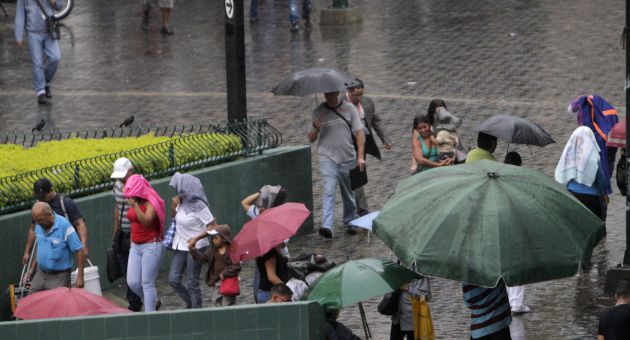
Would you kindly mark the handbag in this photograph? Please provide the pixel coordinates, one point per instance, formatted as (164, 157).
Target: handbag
(389, 303)
(114, 272)
(52, 25)
(230, 286)
(170, 234)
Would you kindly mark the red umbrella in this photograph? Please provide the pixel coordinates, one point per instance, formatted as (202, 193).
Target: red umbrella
(63, 302)
(617, 135)
(268, 230)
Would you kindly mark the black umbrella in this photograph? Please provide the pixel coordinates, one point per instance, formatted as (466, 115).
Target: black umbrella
(313, 81)
(515, 130)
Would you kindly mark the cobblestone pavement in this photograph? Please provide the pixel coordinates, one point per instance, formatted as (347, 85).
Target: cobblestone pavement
(529, 58)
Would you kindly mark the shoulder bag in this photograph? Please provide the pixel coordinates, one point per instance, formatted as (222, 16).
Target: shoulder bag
(51, 24)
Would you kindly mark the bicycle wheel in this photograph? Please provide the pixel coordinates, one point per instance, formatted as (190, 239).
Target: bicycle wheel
(66, 8)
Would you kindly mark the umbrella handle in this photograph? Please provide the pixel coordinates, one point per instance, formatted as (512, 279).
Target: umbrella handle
(366, 327)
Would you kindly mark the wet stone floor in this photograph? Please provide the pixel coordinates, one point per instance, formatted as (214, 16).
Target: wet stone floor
(528, 58)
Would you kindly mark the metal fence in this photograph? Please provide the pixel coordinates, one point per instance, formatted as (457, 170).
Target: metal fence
(191, 147)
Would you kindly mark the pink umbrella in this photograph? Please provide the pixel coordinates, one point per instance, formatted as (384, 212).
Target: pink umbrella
(63, 302)
(268, 230)
(617, 135)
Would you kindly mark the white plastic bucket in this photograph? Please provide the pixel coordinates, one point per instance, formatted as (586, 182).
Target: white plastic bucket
(90, 279)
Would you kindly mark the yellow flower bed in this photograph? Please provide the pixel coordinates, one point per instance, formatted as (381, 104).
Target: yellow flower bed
(73, 165)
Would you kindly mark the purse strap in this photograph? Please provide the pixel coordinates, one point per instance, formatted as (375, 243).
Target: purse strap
(41, 7)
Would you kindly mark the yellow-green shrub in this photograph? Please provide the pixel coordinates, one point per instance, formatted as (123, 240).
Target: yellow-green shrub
(73, 165)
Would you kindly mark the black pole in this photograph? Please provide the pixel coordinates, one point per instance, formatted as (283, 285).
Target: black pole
(626, 30)
(235, 60)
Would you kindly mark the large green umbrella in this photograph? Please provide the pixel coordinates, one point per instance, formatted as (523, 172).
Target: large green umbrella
(358, 280)
(479, 222)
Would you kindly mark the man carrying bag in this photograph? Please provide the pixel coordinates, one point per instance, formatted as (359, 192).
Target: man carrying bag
(36, 18)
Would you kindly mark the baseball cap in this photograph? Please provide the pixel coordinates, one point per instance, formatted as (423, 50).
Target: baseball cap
(212, 232)
(121, 167)
(41, 187)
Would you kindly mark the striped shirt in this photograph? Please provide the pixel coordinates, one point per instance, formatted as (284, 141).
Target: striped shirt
(489, 309)
(122, 205)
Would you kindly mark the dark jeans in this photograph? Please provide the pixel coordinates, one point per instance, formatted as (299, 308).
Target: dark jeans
(397, 334)
(503, 334)
(135, 302)
(593, 203)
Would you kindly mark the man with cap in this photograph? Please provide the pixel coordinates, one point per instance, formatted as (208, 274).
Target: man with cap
(57, 241)
(61, 205)
(121, 239)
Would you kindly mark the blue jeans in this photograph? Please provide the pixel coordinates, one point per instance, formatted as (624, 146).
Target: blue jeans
(142, 271)
(294, 18)
(40, 45)
(331, 174)
(263, 296)
(190, 292)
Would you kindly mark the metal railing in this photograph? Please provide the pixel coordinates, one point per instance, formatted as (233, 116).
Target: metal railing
(191, 147)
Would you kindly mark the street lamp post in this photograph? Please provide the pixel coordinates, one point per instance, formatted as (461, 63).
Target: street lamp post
(235, 60)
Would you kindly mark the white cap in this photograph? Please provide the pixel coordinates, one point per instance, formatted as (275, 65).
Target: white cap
(121, 167)
(212, 232)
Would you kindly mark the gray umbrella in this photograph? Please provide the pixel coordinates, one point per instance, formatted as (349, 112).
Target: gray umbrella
(313, 81)
(515, 130)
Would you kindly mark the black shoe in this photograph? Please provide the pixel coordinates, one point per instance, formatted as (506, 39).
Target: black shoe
(350, 230)
(48, 93)
(134, 308)
(144, 25)
(158, 304)
(307, 22)
(166, 30)
(363, 212)
(326, 233)
(294, 27)
(41, 99)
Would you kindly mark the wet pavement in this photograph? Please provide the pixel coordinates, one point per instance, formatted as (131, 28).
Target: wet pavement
(529, 58)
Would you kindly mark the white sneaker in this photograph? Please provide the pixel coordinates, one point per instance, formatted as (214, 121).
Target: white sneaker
(520, 309)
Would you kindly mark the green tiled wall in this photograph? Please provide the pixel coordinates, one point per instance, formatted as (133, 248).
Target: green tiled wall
(225, 184)
(286, 321)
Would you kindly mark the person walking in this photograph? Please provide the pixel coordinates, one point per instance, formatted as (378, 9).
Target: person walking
(121, 238)
(334, 124)
(580, 169)
(372, 123)
(294, 17)
(490, 315)
(220, 265)
(62, 206)
(146, 214)
(166, 8)
(192, 218)
(30, 17)
(57, 242)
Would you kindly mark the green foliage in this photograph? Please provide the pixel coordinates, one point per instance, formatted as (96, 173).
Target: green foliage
(78, 163)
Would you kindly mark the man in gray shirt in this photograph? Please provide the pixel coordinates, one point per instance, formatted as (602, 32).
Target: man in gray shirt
(334, 123)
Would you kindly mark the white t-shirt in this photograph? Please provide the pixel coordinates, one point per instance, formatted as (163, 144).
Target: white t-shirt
(253, 212)
(189, 226)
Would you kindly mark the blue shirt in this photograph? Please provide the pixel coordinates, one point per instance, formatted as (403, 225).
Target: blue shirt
(489, 309)
(29, 15)
(56, 245)
(598, 188)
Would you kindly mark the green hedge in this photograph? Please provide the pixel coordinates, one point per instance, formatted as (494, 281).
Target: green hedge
(76, 163)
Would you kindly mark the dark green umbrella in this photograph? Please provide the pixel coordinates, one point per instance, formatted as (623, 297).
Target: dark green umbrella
(479, 222)
(358, 280)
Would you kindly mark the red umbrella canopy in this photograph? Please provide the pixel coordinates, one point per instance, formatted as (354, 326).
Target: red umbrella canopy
(64, 302)
(268, 230)
(617, 135)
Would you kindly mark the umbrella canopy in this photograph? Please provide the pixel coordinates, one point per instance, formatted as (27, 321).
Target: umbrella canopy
(617, 135)
(64, 302)
(314, 81)
(365, 221)
(358, 280)
(268, 230)
(515, 130)
(479, 222)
